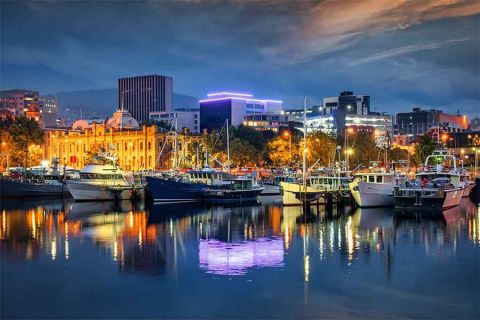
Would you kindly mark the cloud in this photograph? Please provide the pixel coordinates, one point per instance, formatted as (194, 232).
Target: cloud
(390, 53)
(333, 25)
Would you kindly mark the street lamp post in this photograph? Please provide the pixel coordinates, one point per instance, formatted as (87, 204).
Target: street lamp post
(289, 135)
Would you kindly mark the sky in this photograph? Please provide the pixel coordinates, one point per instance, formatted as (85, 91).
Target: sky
(402, 53)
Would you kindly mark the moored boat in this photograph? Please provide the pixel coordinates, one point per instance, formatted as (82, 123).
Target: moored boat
(32, 187)
(438, 186)
(373, 189)
(101, 182)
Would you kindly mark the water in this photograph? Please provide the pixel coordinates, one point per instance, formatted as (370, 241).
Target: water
(96, 260)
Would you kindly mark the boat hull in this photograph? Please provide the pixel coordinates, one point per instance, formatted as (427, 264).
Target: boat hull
(289, 193)
(162, 190)
(17, 189)
(232, 196)
(433, 200)
(92, 192)
(370, 195)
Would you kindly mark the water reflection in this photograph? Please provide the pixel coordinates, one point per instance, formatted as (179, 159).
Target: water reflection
(222, 240)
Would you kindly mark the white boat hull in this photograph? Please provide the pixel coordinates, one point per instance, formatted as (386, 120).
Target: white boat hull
(369, 194)
(92, 192)
(289, 190)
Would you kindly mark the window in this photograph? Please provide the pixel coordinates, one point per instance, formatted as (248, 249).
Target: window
(141, 145)
(149, 147)
(126, 146)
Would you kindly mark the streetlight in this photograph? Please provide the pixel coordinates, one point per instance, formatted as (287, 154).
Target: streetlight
(288, 135)
(347, 131)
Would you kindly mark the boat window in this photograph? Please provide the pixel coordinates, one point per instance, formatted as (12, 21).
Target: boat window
(371, 178)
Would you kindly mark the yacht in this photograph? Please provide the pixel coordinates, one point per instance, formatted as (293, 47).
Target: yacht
(104, 181)
(438, 186)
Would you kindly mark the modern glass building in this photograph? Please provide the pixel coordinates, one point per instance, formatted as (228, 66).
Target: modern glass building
(220, 106)
(144, 94)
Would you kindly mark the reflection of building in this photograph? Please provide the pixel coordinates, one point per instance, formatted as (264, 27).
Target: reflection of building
(144, 94)
(224, 258)
(137, 148)
(189, 119)
(220, 106)
(48, 106)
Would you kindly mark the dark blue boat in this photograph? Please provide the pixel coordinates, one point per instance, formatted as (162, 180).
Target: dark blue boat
(163, 190)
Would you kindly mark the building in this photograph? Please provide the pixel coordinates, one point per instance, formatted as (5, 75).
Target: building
(220, 106)
(266, 121)
(136, 147)
(420, 120)
(339, 123)
(185, 119)
(48, 105)
(348, 102)
(18, 100)
(144, 94)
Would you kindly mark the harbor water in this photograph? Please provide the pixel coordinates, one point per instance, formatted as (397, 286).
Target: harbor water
(61, 259)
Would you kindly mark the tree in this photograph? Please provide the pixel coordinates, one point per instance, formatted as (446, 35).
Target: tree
(242, 152)
(17, 135)
(362, 148)
(423, 148)
(320, 147)
(279, 152)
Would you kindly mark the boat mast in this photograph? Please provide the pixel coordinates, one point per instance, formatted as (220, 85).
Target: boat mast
(228, 148)
(304, 143)
(175, 146)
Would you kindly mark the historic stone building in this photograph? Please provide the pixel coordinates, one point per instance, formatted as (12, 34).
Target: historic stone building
(136, 147)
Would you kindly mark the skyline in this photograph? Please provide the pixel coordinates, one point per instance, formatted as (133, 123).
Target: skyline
(402, 55)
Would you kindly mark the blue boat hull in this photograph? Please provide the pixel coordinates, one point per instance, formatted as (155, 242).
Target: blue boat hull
(173, 191)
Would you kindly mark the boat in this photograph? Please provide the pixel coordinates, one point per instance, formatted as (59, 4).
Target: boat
(233, 189)
(438, 186)
(272, 187)
(373, 189)
(47, 186)
(101, 182)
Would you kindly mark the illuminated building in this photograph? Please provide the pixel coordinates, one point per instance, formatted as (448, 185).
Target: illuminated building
(266, 121)
(220, 106)
(189, 119)
(48, 106)
(419, 121)
(347, 102)
(136, 147)
(144, 94)
(18, 100)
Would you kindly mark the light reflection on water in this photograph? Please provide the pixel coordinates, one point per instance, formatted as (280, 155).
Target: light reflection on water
(191, 240)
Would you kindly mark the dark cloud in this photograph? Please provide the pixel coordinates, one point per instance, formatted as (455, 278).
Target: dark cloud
(402, 53)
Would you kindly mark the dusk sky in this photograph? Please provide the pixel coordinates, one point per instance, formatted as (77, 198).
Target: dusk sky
(402, 53)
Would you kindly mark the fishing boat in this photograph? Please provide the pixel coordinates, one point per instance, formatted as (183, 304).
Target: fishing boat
(373, 189)
(100, 182)
(438, 186)
(233, 189)
(23, 187)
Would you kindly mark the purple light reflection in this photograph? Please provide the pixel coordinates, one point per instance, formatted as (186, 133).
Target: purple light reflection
(242, 99)
(234, 259)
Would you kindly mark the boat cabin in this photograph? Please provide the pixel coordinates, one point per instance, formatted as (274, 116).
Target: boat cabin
(374, 177)
(329, 183)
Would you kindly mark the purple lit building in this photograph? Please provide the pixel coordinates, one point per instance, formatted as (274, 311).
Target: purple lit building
(221, 106)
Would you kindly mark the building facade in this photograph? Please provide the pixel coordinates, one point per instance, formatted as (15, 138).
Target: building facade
(348, 102)
(136, 147)
(419, 121)
(266, 121)
(189, 119)
(220, 106)
(18, 101)
(144, 94)
(48, 105)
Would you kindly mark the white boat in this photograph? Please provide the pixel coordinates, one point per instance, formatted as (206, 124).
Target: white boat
(373, 189)
(101, 182)
(440, 185)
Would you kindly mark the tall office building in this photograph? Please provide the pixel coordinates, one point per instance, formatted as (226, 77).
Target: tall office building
(144, 94)
(48, 105)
